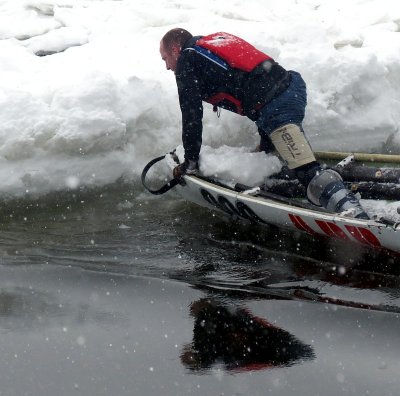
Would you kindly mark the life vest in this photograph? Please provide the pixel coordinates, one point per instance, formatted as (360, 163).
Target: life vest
(233, 53)
(236, 52)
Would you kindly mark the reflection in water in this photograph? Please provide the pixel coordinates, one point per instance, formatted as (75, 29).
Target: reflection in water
(270, 263)
(232, 336)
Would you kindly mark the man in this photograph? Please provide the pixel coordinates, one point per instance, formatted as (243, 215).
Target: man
(230, 73)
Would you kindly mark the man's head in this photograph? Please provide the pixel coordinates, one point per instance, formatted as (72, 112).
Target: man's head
(171, 45)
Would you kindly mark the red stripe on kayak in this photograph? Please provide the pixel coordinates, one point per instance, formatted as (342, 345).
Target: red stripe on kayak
(332, 229)
(372, 239)
(356, 234)
(364, 236)
(301, 224)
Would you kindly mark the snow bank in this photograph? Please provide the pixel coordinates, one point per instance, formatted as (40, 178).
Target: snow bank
(101, 104)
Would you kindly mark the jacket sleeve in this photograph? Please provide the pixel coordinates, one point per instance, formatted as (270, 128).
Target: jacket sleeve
(189, 90)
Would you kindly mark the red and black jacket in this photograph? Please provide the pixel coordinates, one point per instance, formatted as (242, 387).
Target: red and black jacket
(227, 72)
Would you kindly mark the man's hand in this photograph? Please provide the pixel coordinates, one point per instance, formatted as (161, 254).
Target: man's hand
(188, 167)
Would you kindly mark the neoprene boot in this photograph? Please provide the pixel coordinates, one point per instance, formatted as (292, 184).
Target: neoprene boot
(326, 189)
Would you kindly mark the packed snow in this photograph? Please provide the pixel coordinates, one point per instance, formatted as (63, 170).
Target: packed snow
(86, 100)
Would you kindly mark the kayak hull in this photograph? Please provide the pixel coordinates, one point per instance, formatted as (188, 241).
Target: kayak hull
(267, 211)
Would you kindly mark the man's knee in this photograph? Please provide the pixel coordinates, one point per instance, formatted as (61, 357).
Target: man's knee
(292, 146)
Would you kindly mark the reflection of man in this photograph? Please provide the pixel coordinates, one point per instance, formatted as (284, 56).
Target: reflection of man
(239, 340)
(230, 73)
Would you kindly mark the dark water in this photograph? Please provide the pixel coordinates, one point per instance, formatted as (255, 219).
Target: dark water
(114, 292)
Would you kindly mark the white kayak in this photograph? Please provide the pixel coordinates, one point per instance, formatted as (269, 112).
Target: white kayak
(265, 208)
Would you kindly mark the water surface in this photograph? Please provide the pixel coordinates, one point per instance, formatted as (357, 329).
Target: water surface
(114, 292)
